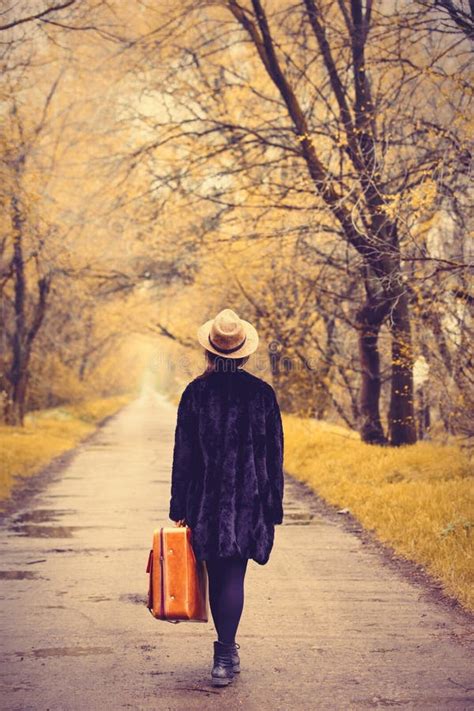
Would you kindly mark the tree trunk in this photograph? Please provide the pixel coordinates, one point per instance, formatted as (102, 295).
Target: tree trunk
(280, 367)
(402, 425)
(15, 406)
(274, 359)
(15, 412)
(23, 335)
(423, 412)
(369, 319)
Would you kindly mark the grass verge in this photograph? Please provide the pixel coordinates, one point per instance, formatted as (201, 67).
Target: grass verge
(46, 434)
(418, 499)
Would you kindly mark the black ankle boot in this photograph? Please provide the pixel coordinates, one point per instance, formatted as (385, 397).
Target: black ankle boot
(235, 658)
(222, 671)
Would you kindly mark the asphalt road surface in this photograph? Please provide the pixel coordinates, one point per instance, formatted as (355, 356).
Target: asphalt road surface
(327, 624)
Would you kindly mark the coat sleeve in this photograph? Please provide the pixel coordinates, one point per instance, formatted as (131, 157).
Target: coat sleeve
(182, 457)
(275, 448)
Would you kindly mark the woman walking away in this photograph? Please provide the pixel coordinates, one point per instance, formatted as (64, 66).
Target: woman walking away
(227, 475)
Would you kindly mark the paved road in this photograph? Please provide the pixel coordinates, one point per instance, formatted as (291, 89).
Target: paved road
(326, 625)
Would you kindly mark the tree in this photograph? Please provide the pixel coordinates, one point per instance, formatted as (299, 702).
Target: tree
(373, 234)
(449, 15)
(21, 252)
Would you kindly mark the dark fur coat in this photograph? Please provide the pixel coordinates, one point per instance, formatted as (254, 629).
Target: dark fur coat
(227, 476)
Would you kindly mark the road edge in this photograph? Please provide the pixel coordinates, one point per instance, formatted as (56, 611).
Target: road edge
(26, 488)
(408, 570)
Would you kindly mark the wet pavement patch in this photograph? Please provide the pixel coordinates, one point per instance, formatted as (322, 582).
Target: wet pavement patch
(36, 531)
(17, 575)
(42, 515)
(65, 651)
(84, 551)
(134, 598)
(30, 524)
(298, 518)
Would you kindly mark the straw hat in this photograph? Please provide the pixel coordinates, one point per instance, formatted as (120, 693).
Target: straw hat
(228, 335)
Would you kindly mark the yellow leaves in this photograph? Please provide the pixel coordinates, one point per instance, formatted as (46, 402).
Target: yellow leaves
(419, 199)
(303, 137)
(423, 196)
(392, 205)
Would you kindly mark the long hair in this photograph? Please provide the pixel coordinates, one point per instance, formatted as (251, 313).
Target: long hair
(216, 363)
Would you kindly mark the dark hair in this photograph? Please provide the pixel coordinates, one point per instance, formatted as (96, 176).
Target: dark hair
(216, 363)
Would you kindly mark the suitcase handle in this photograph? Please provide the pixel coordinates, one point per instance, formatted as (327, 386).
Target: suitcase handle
(149, 564)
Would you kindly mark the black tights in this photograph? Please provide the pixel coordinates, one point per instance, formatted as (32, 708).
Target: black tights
(226, 595)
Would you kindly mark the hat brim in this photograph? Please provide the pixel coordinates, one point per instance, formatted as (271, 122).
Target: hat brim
(250, 345)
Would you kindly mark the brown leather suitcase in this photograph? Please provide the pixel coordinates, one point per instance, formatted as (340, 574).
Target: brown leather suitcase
(178, 585)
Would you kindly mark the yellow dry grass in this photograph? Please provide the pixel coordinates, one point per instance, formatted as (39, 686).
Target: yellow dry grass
(418, 499)
(46, 434)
